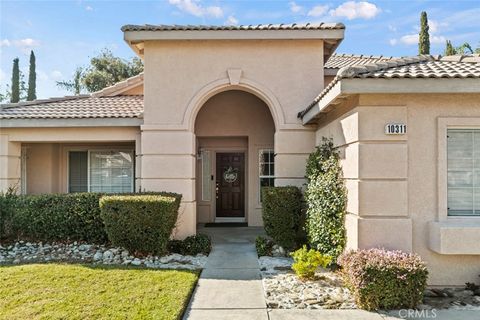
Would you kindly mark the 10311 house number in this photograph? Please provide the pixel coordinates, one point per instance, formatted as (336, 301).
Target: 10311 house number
(395, 128)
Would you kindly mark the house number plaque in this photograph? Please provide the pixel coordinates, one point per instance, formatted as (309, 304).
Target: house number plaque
(395, 128)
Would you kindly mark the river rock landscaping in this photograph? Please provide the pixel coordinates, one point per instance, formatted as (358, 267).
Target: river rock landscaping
(29, 252)
(283, 290)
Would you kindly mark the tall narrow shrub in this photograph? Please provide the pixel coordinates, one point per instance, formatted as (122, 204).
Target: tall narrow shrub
(424, 36)
(326, 198)
(15, 94)
(32, 79)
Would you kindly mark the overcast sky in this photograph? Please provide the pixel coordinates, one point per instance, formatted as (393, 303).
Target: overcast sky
(65, 34)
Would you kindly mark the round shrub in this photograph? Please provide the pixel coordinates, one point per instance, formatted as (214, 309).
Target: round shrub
(326, 198)
(381, 279)
(307, 261)
(140, 223)
(199, 243)
(281, 213)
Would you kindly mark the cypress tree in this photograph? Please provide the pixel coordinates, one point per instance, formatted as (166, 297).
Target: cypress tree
(449, 49)
(423, 37)
(15, 96)
(32, 79)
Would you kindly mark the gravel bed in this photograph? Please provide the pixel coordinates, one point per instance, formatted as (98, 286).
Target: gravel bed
(283, 290)
(27, 252)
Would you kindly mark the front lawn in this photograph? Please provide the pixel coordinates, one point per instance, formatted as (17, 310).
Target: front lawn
(61, 291)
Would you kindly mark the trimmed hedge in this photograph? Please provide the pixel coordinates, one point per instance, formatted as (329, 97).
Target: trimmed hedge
(326, 198)
(281, 213)
(140, 223)
(7, 206)
(381, 279)
(53, 217)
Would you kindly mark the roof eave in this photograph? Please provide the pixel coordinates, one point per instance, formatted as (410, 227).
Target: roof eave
(346, 87)
(70, 122)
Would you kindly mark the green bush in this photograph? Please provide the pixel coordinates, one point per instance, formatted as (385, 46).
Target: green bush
(281, 213)
(54, 217)
(7, 205)
(192, 245)
(381, 279)
(140, 223)
(264, 246)
(307, 261)
(326, 198)
(199, 243)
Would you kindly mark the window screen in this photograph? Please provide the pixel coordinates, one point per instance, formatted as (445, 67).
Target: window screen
(463, 163)
(77, 171)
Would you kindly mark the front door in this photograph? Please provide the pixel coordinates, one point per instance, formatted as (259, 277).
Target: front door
(230, 185)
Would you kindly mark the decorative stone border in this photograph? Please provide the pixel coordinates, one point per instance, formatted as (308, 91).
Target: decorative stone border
(27, 252)
(283, 290)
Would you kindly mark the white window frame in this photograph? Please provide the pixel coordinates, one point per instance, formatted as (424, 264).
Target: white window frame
(88, 164)
(443, 125)
(260, 177)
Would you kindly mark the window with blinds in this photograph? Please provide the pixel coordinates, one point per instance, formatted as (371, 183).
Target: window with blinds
(463, 166)
(101, 171)
(267, 169)
(206, 176)
(78, 171)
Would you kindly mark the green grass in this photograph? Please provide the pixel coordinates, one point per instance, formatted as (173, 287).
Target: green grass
(62, 291)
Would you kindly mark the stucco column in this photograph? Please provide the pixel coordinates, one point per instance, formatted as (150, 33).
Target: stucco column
(292, 148)
(375, 168)
(168, 164)
(10, 163)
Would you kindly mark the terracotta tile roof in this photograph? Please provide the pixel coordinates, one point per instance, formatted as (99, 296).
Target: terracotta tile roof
(120, 86)
(337, 61)
(413, 67)
(291, 26)
(75, 107)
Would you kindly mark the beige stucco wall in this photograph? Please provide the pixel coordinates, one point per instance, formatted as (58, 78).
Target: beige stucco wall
(392, 180)
(234, 114)
(180, 76)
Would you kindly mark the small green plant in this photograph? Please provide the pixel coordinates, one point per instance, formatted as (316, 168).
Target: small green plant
(192, 245)
(264, 246)
(307, 261)
(471, 286)
(199, 243)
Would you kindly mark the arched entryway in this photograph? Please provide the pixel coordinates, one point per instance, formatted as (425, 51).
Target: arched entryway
(234, 140)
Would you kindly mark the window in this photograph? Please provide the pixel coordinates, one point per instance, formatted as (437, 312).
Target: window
(266, 169)
(101, 171)
(463, 172)
(206, 176)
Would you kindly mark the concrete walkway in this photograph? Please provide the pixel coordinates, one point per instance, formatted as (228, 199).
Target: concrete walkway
(230, 287)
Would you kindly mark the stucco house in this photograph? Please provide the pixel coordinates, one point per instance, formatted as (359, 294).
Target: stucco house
(221, 111)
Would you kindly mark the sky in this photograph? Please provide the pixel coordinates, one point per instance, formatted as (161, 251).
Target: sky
(65, 34)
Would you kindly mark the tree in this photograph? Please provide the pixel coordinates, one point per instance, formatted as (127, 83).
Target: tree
(15, 93)
(465, 48)
(74, 85)
(32, 79)
(105, 70)
(423, 37)
(449, 49)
